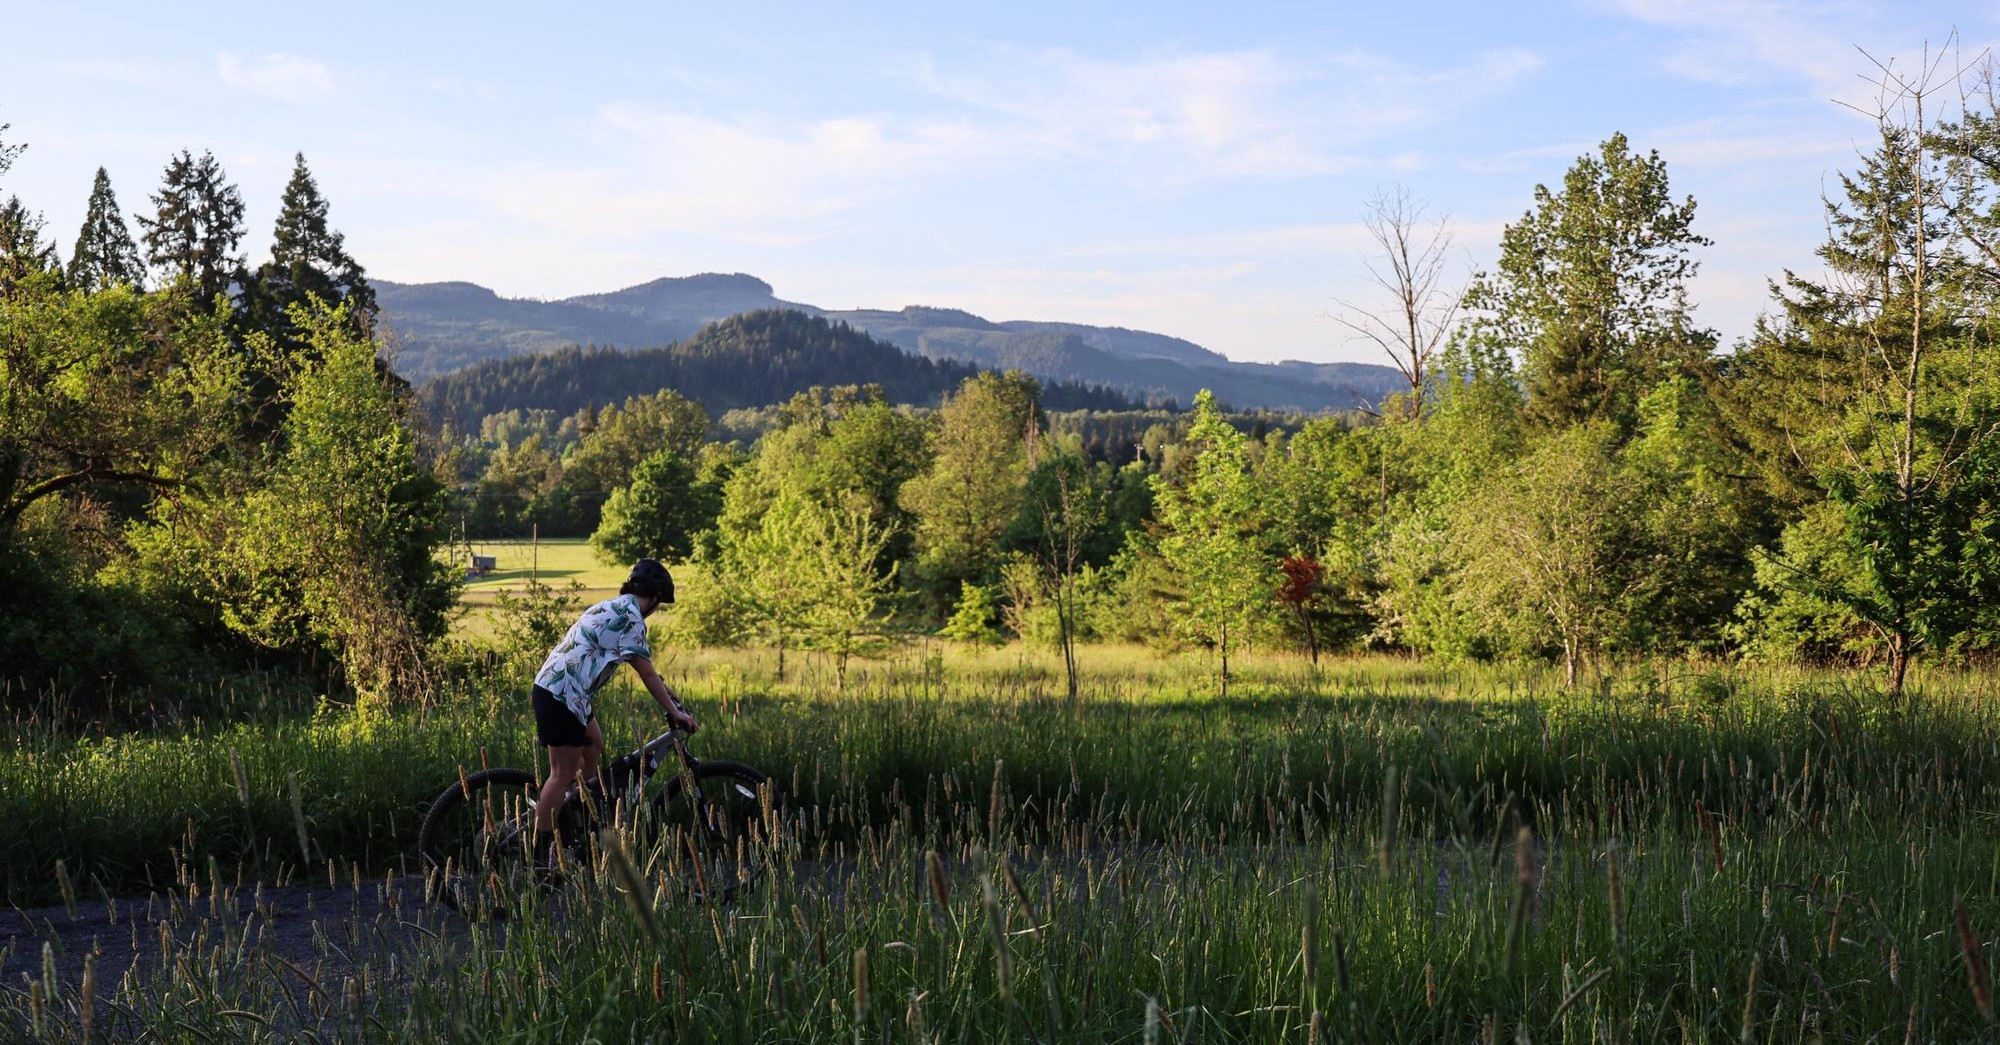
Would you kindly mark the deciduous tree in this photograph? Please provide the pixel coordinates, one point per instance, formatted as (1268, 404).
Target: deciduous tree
(623, 435)
(972, 488)
(1591, 288)
(841, 546)
(109, 388)
(1546, 548)
(338, 545)
(659, 514)
(1413, 270)
(1210, 533)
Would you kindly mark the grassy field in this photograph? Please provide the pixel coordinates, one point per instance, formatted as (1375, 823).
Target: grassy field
(1379, 851)
(556, 563)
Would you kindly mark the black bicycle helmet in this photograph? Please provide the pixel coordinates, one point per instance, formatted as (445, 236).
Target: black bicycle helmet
(648, 577)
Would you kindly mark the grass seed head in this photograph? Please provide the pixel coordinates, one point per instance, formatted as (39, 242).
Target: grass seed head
(1975, 964)
(940, 888)
(861, 986)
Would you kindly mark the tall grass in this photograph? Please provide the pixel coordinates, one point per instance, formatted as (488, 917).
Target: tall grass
(1379, 852)
(1288, 751)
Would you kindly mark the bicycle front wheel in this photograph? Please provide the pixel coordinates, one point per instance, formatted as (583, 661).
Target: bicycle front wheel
(477, 833)
(726, 828)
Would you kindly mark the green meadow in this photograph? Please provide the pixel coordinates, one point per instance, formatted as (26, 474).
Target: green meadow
(558, 563)
(1369, 850)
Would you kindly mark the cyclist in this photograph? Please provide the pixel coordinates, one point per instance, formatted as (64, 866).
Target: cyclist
(608, 634)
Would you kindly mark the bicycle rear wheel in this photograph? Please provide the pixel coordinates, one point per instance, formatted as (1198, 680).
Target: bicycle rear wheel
(477, 835)
(727, 833)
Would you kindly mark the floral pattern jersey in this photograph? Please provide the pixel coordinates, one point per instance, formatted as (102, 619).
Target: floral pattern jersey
(607, 635)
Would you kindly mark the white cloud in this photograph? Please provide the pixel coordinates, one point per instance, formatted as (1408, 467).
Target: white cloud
(1830, 46)
(287, 77)
(1729, 143)
(669, 171)
(1737, 41)
(1223, 114)
(1157, 123)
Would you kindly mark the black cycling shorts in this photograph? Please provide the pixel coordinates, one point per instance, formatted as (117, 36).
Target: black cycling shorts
(556, 725)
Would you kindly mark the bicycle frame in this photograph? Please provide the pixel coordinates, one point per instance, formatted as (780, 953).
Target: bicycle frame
(629, 783)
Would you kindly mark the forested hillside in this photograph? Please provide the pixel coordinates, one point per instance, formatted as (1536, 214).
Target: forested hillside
(1149, 367)
(442, 327)
(438, 328)
(751, 360)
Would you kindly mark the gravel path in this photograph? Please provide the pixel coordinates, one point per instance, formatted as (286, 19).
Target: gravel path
(319, 934)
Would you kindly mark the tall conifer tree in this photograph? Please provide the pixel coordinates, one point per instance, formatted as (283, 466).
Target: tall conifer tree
(197, 225)
(23, 252)
(8, 152)
(308, 259)
(105, 255)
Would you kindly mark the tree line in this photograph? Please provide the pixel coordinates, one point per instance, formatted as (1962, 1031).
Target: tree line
(1578, 470)
(205, 469)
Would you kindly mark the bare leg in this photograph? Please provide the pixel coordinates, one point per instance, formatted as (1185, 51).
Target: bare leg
(563, 764)
(593, 753)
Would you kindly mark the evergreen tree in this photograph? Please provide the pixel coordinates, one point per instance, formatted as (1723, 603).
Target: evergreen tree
(23, 252)
(196, 226)
(8, 152)
(767, 569)
(308, 260)
(1591, 289)
(1903, 553)
(105, 255)
(972, 619)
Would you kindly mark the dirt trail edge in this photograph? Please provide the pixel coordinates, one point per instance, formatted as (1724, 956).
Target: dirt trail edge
(334, 930)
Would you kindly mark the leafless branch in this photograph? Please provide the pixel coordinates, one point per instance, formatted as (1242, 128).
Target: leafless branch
(1411, 268)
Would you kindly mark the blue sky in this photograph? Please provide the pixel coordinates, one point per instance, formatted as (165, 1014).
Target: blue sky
(1195, 169)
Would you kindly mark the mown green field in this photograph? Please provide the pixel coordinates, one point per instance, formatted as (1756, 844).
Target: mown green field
(1376, 851)
(556, 563)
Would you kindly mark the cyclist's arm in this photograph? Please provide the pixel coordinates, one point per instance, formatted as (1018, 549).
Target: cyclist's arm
(669, 701)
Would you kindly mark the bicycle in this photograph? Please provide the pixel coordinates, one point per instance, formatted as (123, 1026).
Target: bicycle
(479, 832)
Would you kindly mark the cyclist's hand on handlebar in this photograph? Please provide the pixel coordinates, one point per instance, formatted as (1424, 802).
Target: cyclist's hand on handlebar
(682, 720)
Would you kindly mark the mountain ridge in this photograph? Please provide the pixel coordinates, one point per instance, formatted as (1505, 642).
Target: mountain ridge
(439, 328)
(750, 360)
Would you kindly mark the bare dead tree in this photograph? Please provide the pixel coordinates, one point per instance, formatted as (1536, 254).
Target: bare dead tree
(1412, 267)
(1065, 524)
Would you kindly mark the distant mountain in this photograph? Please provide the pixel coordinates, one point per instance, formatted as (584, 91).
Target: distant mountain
(441, 327)
(755, 359)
